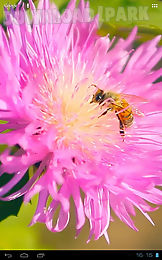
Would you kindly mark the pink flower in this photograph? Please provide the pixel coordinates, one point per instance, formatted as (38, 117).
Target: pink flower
(47, 73)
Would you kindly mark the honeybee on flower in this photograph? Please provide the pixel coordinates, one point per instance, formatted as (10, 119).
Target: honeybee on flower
(118, 103)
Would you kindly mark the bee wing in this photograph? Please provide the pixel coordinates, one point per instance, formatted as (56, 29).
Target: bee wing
(134, 99)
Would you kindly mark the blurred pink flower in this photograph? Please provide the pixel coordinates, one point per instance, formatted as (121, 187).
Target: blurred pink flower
(46, 73)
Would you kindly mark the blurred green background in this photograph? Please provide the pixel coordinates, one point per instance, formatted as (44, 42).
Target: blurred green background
(15, 234)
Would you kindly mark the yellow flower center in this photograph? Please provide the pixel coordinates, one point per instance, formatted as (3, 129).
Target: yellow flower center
(68, 107)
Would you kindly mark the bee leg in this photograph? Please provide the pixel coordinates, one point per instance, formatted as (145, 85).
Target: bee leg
(121, 125)
(122, 133)
(105, 112)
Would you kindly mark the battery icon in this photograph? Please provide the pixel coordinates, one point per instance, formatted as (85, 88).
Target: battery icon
(157, 255)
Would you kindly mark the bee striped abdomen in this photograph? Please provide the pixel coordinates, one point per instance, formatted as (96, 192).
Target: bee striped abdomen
(126, 116)
(127, 119)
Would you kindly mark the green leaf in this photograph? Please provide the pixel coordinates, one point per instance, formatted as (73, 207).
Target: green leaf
(8, 208)
(144, 33)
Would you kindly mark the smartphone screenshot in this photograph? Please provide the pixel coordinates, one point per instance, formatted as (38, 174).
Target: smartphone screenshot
(80, 128)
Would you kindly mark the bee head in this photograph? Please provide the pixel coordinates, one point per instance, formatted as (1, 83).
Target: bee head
(98, 97)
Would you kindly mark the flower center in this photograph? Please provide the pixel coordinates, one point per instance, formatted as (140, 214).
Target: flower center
(67, 106)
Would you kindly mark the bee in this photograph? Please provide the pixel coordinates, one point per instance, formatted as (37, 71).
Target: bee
(118, 103)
